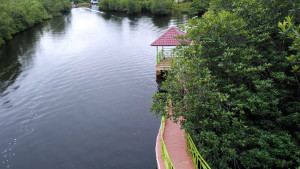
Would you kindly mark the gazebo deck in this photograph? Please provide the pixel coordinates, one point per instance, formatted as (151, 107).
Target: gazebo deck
(164, 64)
(165, 61)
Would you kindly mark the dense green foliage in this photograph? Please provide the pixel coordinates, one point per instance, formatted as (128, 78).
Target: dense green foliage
(133, 7)
(156, 7)
(289, 29)
(81, 1)
(181, 7)
(237, 85)
(199, 7)
(17, 15)
(161, 7)
(129, 6)
(55, 7)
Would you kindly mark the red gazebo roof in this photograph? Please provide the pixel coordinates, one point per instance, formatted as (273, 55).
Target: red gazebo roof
(168, 38)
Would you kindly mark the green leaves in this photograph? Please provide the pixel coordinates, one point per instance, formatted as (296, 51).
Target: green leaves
(17, 15)
(161, 7)
(199, 7)
(289, 29)
(237, 85)
(130, 6)
(133, 7)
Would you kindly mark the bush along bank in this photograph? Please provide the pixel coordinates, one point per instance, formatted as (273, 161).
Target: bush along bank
(18, 15)
(156, 7)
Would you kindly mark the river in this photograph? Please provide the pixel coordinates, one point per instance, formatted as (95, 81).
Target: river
(75, 92)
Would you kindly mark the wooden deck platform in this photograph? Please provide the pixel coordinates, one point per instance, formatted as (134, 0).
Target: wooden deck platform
(163, 65)
(175, 143)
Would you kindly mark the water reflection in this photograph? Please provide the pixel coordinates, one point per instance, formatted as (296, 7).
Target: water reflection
(106, 16)
(57, 26)
(180, 19)
(111, 16)
(17, 54)
(14, 54)
(161, 22)
(133, 22)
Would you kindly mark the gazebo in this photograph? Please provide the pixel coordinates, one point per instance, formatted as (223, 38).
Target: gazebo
(167, 41)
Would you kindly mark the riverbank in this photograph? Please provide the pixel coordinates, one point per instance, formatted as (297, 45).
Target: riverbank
(148, 7)
(155, 7)
(16, 16)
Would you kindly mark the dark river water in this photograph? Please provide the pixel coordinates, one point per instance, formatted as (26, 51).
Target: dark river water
(75, 92)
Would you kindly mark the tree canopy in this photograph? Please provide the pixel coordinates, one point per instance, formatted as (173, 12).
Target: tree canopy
(157, 7)
(17, 15)
(237, 85)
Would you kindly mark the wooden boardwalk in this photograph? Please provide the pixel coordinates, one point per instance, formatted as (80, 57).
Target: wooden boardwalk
(175, 143)
(160, 162)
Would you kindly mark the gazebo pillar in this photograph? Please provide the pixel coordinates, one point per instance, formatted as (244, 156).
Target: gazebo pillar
(156, 54)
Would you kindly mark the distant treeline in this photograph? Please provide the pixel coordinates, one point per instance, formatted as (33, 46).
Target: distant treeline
(156, 7)
(137, 6)
(18, 15)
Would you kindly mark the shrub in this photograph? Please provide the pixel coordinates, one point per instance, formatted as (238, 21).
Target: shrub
(181, 7)
(104, 4)
(237, 85)
(123, 5)
(161, 7)
(199, 7)
(145, 5)
(133, 7)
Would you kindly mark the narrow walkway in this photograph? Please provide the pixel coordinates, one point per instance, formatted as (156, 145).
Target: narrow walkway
(174, 139)
(159, 159)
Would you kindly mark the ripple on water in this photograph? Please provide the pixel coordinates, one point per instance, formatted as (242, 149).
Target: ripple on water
(83, 94)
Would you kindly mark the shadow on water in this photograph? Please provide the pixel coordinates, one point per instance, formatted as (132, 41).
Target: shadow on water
(10, 66)
(106, 16)
(181, 19)
(159, 22)
(110, 16)
(17, 53)
(162, 21)
(133, 21)
(57, 26)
